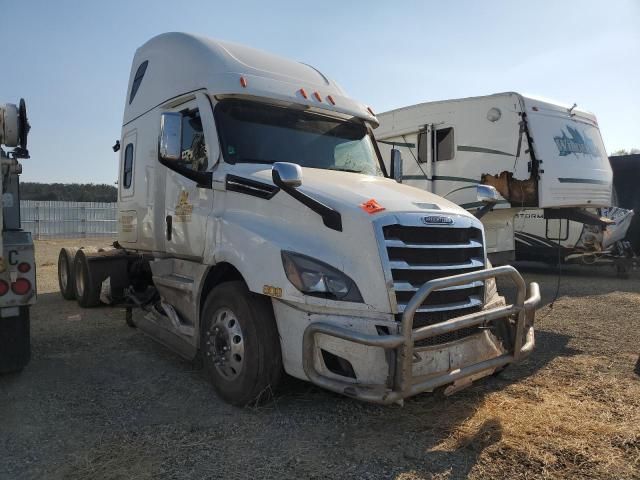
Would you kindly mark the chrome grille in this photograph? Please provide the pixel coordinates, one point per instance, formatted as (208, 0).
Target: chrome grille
(417, 254)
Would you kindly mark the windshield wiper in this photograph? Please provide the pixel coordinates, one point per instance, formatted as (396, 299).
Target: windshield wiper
(255, 160)
(345, 170)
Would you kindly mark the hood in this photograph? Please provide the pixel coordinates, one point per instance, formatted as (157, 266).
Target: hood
(349, 191)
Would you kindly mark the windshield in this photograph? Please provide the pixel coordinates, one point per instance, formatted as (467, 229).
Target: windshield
(257, 133)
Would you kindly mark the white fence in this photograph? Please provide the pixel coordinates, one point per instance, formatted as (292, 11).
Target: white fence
(68, 219)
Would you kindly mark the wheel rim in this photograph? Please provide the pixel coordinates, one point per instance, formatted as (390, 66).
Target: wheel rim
(225, 344)
(79, 279)
(63, 272)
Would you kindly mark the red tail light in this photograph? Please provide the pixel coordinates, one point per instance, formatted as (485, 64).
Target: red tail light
(4, 287)
(24, 267)
(21, 286)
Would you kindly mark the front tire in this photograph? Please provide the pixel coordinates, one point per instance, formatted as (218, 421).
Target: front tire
(240, 345)
(15, 341)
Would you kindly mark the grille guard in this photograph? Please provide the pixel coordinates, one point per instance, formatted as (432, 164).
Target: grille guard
(403, 343)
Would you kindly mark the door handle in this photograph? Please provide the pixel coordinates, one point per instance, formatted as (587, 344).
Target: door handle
(169, 227)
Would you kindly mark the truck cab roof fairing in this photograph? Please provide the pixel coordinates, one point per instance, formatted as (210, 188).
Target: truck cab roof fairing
(180, 63)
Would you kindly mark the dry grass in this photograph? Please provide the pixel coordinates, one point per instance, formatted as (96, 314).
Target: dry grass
(572, 420)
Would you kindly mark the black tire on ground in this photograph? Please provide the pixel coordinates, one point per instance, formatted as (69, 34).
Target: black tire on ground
(15, 341)
(66, 274)
(87, 286)
(260, 371)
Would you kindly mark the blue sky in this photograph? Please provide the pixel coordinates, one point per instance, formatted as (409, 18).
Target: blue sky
(70, 59)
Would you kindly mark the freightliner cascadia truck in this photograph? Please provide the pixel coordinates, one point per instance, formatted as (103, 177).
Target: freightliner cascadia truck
(260, 232)
(17, 261)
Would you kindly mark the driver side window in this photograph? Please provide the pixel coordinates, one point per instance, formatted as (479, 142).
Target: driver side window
(193, 153)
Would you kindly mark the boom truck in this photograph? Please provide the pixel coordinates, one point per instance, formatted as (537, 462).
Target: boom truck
(538, 154)
(17, 263)
(260, 232)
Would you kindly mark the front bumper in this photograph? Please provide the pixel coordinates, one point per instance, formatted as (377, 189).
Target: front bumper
(404, 382)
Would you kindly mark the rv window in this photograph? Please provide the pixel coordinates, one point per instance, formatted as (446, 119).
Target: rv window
(194, 148)
(127, 169)
(445, 144)
(137, 79)
(423, 145)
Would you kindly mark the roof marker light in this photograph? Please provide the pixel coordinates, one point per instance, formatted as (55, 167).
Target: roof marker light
(318, 97)
(535, 109)
(303, 93)
(243, 82)
(371, 111)
(331, 100)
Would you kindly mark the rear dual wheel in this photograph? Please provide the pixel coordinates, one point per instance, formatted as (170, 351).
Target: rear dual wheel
(87, 287)
(66, 273)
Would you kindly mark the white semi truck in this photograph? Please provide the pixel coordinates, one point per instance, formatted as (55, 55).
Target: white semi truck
(537, 153)
(17, 263)
(259, 231)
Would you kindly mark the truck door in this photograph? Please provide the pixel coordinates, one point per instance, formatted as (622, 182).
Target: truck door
(187, 206)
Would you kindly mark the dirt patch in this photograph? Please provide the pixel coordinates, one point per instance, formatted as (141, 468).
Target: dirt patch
(101, 400)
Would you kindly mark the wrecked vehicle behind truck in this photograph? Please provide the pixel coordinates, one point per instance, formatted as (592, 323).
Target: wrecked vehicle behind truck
(536, 153)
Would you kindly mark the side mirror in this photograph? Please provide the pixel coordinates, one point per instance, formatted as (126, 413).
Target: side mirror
(287, 174)
(170, 150)
(487, 194)
(170, 143)
(396, 165)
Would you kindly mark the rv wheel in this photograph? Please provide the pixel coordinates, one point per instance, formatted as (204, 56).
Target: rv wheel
(66, 277)
(87, 288)
(239, 344)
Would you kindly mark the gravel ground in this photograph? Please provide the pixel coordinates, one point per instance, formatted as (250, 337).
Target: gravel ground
(101, 400)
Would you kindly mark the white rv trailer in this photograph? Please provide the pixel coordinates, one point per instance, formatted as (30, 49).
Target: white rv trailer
(258, 232)
(537, 153)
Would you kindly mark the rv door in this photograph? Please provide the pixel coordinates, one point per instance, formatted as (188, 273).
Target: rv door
(574, 167)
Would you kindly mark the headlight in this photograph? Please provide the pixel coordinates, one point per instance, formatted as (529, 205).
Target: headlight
(313, 277)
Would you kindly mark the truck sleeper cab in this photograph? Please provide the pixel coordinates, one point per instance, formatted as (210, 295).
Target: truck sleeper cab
(259, 231)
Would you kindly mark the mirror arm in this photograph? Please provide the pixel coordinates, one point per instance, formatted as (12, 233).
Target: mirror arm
(330, 217)
(482, 211)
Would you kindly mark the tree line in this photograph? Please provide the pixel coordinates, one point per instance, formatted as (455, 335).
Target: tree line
(68, 192)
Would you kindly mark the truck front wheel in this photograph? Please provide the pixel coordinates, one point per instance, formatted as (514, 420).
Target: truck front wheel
(239, 344)
(15, 341)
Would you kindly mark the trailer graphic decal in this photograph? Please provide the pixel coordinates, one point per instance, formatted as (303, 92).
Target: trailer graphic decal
(576, 143)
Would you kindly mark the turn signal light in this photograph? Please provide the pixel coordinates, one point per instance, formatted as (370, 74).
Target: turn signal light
(24, 267)
(4, 287)
(21, 286)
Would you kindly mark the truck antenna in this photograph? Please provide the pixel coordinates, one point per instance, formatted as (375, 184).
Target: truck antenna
(571, 109)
